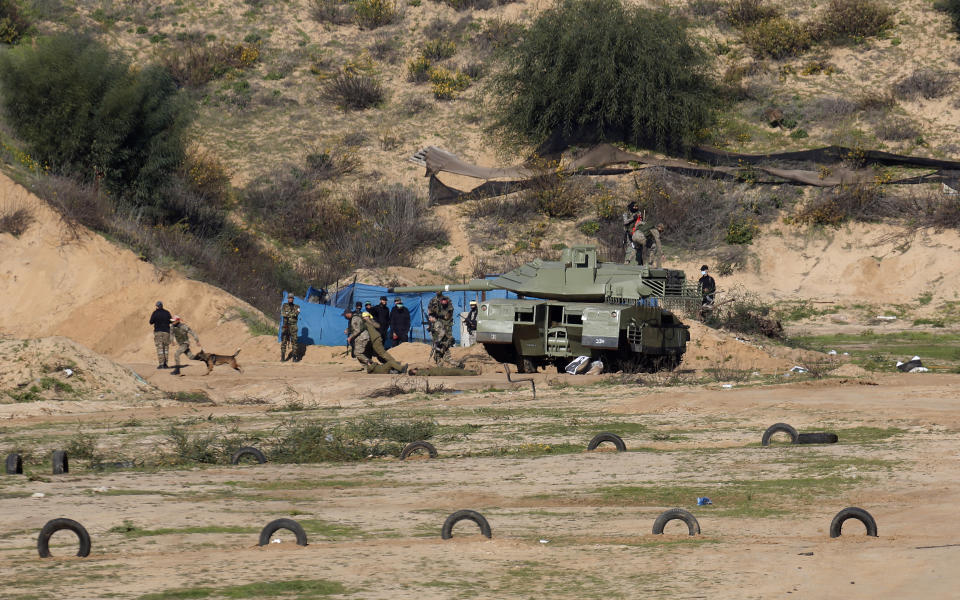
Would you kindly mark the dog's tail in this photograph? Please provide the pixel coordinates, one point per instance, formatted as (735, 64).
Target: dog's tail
(237, 352)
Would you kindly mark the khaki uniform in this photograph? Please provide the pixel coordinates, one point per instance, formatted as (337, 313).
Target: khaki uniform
(181, 333)
(652, 250)
(161, 340)
(359, 339)
(289, 331)
(376, 343)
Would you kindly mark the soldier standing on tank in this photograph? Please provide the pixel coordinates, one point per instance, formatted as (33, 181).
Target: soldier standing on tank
(631, 219)
(160, 319)
(289, 314)
(181, 333)
(376, 343)
(653, 249)
(399, 322)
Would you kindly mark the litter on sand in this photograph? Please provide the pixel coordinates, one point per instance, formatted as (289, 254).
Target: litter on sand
(797, 369)
(912, 366)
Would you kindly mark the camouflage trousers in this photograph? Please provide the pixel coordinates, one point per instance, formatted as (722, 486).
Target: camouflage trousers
(361, 349)
(288, 336)
(183, 348)
(161, 339)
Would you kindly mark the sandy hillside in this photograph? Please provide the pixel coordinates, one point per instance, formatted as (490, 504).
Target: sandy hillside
(100, 295)
(865, 263)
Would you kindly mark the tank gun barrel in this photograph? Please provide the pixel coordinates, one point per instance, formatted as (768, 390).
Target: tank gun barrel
(474, 285)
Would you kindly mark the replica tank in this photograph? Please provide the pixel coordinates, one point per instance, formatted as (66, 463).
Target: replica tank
(578, 307)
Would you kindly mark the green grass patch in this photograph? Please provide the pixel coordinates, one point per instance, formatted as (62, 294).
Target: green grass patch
(131, 530)
(735, 498)
(256, 325)
(882, 350)
(302, 589)
(862, 435)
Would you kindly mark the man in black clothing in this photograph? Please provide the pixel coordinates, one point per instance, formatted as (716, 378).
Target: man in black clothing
(381, 314)
(708, 287)
(399, 322)
(160, 319)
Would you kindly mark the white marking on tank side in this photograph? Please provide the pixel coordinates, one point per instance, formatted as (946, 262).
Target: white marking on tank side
(597, 340)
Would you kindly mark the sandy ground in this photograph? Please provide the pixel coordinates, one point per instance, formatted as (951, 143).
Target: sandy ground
(555, 532)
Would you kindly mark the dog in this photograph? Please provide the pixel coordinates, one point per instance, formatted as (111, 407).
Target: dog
(213, 360)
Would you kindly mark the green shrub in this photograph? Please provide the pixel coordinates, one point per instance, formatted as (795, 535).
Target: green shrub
(741, 231)
(603, 69)
(744, 13)
(854, 19)
(418, 69)
(778, 38)
(13, 25)
(446, 84)
(438, 49)
(85, 111)
(952, 8)
(370, 14)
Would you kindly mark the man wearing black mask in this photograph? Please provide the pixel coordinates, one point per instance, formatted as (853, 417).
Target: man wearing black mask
(399, 322)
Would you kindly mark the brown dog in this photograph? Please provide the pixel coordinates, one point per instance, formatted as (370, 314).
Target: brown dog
(213, 360)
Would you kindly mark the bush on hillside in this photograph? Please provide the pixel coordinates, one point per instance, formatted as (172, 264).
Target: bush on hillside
(952, 8)
(600, 69)
(353, 91)
(744, 13)
(13, 25)
(86, 113)
(778, 38)
(854, 19)
(925, 83)
(335, 12)
(370, 14)
(195, 63)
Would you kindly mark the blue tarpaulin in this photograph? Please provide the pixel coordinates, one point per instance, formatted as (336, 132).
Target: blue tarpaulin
(324, 324)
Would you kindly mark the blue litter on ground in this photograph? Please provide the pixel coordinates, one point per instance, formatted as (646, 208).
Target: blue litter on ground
(703, 501)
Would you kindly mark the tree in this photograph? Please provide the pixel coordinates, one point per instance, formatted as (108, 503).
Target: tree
(589, 70)
(86, 113)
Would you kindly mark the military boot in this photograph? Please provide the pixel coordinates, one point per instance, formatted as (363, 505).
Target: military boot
(176, 370)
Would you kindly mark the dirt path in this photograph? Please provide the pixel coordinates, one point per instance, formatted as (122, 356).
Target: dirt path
(459, 241)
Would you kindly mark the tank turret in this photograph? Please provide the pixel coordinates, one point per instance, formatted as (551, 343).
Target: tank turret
(578, 277)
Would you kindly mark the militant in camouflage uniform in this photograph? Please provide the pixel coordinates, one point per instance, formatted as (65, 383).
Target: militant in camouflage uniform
(289, 312)
(376, 343)
(442, 340)
(181, 332)
(358, 338)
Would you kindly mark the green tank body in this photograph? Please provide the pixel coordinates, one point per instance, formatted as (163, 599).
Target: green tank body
(617, 313)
